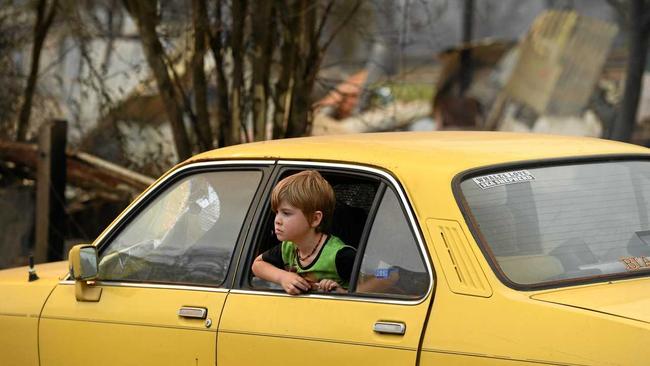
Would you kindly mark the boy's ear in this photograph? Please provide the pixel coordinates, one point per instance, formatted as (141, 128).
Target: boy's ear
(316, 218)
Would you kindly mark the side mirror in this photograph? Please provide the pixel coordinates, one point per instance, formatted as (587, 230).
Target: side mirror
(83, 267)
(83, 262)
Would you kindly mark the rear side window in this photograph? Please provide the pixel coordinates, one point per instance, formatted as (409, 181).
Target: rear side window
(392, 263)
(579, 221)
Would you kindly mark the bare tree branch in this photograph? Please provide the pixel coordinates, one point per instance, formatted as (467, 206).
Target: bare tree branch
(223, 107)
(44, 18)
(345, 21)
(321, 26)
(282, 95)
(307, 58)
(178, 83)
(200, 23)
(146, 19)
(237, 43)
(112, 24)
(262, 31)
(645, 21)
(621, 8)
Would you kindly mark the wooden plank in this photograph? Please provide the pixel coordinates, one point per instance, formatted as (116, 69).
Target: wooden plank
(50, 192)
(83, 170)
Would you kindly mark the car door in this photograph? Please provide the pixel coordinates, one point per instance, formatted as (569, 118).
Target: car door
(164, 274)
(373, 325)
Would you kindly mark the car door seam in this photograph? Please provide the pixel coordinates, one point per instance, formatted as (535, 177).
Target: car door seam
(127, 323)
(499, 357)
(314, 339)
(38, 324)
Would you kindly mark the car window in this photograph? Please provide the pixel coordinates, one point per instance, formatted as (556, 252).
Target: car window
(187, 234)
(564, 222)
(392, 262)
(354, 195)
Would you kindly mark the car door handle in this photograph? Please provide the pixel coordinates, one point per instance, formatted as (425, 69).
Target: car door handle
(390, 328)
(193, 312)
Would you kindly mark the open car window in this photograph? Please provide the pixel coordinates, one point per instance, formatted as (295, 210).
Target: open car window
(389, 261)
(186, 235)
(562, 223)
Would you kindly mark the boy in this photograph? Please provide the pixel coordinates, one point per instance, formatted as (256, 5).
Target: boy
(308, 258)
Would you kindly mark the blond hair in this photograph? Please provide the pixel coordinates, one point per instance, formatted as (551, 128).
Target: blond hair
(307, 191)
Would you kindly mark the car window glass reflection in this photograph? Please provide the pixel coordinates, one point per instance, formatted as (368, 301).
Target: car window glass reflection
(187, 234)
(392, 263)
(566, 222)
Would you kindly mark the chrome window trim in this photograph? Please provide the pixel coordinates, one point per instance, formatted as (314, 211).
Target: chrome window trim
(360, 168)
(340, 297)
(409, 212)
(152, 286)
(180, 170)
(153, 188)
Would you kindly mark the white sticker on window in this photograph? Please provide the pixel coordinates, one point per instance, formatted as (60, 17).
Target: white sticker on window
(500, 179)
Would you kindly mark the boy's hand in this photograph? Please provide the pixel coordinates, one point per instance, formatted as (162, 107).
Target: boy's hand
(327, 285)
(293, 284)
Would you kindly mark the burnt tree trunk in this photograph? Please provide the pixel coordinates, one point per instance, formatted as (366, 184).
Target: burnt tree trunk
(223, 101)
(144, 13)
(302, 87)
(44, 17)
(262, 32)
(282, 95)
(200, 24)
(237, 47)
(307, 57)
(465, 72)
(638, 48)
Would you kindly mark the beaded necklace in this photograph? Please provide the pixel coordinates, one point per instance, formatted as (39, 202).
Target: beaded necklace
(312, 251)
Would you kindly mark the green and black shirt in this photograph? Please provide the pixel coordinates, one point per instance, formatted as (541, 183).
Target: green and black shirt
(334, 261)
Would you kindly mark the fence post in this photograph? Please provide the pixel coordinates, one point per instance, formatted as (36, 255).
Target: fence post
(50, 189)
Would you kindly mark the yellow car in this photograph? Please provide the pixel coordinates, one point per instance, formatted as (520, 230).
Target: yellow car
(484, 248)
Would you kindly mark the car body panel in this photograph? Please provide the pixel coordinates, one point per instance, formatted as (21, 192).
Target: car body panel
(471, 317)
(403, 149)
(457, 259)
(627, 299)
(510, 326)
(142, 323)
(301, 328)
(20, 307)
(140, 318)
(318, 337)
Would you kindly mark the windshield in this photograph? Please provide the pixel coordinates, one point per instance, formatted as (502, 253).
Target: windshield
(546, 224)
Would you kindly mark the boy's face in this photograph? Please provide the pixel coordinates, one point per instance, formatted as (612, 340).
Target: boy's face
(291, 223)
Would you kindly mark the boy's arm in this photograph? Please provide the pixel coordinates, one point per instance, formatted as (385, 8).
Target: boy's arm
(291, 282)
(344, 261)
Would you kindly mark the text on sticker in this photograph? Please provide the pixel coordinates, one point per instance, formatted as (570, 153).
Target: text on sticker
(636, 263)
(500, 179)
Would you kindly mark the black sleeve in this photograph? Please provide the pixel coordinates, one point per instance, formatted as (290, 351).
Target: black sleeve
(274, 256)
(344, 262)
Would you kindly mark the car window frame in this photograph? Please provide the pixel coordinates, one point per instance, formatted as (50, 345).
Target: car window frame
(386, 180)
(528, 164)
(266, 167)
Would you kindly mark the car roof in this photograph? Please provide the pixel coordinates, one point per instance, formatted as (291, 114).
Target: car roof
(426, 163)
(450, 150)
